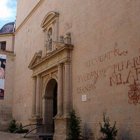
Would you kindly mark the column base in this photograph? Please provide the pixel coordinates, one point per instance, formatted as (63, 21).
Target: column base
(35, 121)
(61, 128)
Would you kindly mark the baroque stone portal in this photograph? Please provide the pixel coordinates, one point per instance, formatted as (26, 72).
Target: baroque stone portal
(52, 89)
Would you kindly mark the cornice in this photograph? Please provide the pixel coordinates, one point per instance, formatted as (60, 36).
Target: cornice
(49, 57)
(29, 15)
(6, 34)
(10, 53)
(49, 18)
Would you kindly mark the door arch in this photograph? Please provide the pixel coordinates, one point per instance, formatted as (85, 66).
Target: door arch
(50, 106)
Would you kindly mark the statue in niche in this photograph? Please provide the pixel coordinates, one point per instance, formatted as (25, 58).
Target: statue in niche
(49, 39)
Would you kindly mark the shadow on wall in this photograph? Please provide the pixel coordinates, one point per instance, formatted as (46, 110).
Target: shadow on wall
(87, 133)
(125, 134)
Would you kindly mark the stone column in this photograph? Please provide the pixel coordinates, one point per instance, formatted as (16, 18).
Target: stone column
(34, 97)
(38, 96)
(67, 97)
(60, 90)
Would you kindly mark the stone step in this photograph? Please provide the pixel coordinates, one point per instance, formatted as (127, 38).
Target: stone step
(41, 136)
(45, 136)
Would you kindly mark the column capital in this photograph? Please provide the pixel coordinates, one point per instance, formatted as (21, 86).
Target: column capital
(33, 77)
(67, 62)
(60, 65)
(38, 76)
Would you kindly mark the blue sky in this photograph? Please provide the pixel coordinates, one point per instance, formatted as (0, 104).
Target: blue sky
(7, 11)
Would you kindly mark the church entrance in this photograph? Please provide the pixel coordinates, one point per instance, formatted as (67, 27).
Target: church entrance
(52, 90)
(50, 107)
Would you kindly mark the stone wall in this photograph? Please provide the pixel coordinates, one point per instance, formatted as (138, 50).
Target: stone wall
(24, 9)
(7, 103)
(105, 61)
(9, 38)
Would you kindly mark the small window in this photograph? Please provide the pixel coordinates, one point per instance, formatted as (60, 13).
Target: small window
(3, 45)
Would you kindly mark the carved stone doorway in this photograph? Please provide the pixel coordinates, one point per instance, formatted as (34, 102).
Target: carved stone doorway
(52, 98)
(50, 106)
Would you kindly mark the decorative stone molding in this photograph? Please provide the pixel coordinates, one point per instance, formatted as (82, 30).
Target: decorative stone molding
(49, 19)
(36, 58)
(50, 28)
(55, 65)
(31, 13)
(40, 64)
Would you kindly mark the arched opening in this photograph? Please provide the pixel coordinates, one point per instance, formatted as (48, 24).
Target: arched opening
(50, 109)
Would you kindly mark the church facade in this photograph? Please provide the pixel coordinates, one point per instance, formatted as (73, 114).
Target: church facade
(75, 55)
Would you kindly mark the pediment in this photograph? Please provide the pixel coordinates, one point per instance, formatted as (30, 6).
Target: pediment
(40, 64)
(50, 17)
(36, 59)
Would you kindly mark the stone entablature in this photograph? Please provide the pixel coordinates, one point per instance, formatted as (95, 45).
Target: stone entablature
(40, 64)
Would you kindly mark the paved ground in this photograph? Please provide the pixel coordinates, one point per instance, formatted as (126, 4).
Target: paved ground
(9, 136)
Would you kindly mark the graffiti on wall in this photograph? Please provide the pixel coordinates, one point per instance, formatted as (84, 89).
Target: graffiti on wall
(134, 93)
(107, 56)
(89, 80)
(130, 67)
(126, 72)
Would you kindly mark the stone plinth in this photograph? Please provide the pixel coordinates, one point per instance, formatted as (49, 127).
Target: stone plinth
(60, 128)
